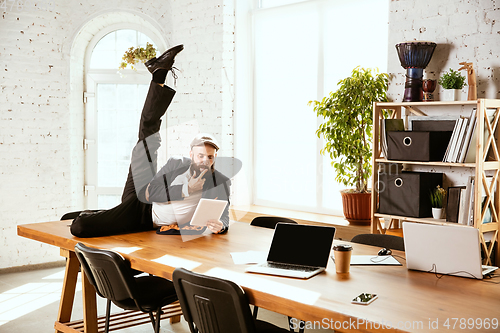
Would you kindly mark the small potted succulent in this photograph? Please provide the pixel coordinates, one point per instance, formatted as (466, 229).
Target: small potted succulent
(452, 83)
(134, 55)
(437, 196)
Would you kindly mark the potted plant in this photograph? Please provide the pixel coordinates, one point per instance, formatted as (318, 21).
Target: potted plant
(347, 129)
(452, 83)
(134, 55)
(437, 196)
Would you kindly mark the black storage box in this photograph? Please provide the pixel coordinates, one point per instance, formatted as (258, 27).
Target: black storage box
(417, 146)
(408, 193)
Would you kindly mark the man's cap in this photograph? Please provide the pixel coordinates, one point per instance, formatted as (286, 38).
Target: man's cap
(204, 138)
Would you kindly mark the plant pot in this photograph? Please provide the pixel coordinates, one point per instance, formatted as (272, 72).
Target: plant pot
(451, 95)
(357, 207)
(437, 213)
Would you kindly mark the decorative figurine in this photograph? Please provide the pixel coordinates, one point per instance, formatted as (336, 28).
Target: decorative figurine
(471, 80)
(428, 87)
(414, 57)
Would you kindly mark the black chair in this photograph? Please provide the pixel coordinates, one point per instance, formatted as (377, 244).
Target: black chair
(270, 221)
(213, 305)
(380, 240)
(113, 279)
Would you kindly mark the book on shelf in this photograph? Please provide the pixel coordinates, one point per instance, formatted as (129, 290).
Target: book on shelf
(461, 210)
(383, 138)
(389, 125)
(454, 133)
(432, 123)
(471, 153)
(452, 143)
(487, 214)
(460, 139)
(487, 218)
(468, 136)
(465, 202)
(470, 215)
(460, 203)
(453, 203)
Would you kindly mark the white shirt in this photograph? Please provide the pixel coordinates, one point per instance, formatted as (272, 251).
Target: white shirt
(180, 211)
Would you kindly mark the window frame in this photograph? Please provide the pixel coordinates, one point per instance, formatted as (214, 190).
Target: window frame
(245, 104)
(92, 77)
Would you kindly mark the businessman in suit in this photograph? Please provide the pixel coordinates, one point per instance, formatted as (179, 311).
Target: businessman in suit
(169, 197)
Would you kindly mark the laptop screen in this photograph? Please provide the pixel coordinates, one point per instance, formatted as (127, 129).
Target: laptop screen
(300, 244)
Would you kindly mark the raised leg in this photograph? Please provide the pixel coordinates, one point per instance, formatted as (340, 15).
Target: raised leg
(144, 155)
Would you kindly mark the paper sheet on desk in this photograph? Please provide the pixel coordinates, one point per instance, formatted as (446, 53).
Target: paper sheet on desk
(249, 257)
(373, 260)
(126, 250)
(174, 261)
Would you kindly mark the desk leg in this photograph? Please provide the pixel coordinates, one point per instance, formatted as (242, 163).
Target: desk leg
(69, 286)
(89, 306)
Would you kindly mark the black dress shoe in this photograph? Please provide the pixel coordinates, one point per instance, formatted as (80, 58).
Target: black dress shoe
(165, 61)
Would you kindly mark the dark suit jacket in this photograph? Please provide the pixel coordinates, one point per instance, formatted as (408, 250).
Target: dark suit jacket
(216, 185)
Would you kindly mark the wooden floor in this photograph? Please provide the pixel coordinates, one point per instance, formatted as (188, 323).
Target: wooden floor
(344, 230)
(31, 303)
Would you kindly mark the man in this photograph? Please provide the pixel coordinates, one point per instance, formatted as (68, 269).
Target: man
(175, 191)
(188, 180)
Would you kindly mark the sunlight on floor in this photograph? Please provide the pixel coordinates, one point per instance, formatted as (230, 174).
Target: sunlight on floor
(29, 297)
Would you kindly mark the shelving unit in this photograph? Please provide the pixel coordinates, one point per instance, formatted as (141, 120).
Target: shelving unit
(483, 164)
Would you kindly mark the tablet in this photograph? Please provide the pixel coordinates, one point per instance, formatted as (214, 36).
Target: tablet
(208, 209)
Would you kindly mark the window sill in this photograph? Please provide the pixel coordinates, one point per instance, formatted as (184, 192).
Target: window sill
(344, 231)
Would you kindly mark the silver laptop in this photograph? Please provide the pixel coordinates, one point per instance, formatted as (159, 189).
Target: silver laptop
(297, 250)
(444, 249)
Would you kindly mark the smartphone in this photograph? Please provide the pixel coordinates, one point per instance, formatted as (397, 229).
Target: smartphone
(364, 299)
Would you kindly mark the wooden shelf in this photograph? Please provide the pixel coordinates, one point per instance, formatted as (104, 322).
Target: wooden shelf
(435, 103)
(465, 165)
(493, 165)
(485, 140)
(428, 220)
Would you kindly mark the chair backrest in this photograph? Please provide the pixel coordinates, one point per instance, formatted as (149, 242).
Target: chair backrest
(107, 271)
(270, 221)
(211, 304)
(381, 240)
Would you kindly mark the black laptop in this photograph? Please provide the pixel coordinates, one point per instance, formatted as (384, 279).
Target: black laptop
(297, 250)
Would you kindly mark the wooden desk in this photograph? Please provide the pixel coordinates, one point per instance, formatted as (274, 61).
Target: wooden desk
(408, 301)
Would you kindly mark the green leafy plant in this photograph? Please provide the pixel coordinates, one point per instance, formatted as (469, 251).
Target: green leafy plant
(437, 197)
(452, 80)
(134, 55)
(348, 122)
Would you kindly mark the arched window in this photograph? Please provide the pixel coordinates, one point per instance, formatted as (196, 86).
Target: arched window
(113, 103)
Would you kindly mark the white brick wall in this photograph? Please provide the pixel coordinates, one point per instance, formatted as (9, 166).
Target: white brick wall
(41, 120)
(464, 31)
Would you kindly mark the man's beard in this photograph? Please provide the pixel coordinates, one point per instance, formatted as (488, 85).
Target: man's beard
(198, 168)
